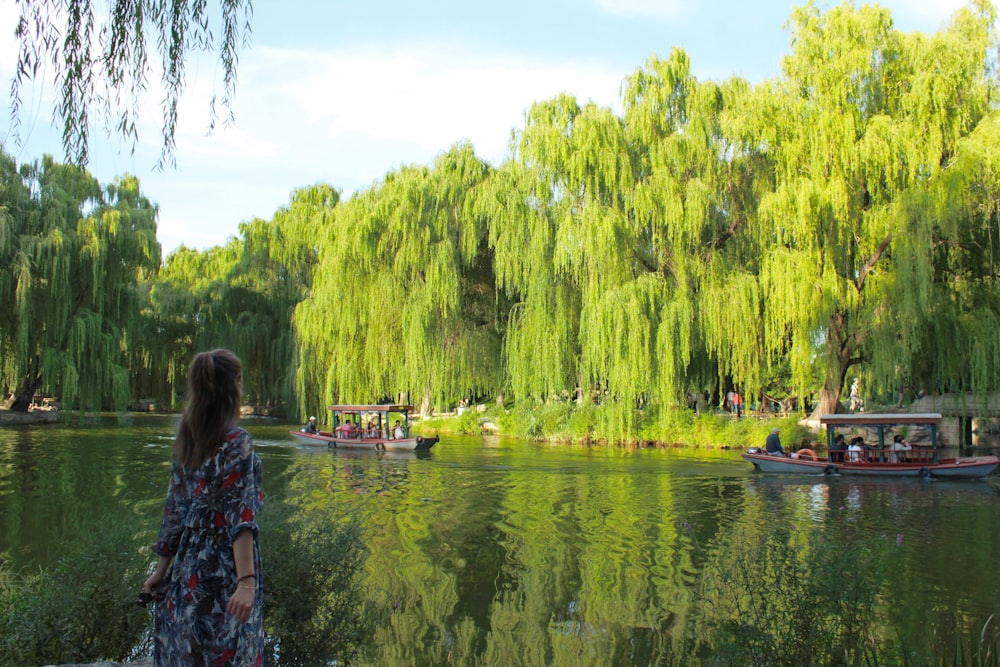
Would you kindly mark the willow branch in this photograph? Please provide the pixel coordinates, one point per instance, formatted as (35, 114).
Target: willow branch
(872, 261)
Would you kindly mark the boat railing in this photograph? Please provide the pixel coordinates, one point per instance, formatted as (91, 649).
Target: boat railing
(918, 454)
(362, 433)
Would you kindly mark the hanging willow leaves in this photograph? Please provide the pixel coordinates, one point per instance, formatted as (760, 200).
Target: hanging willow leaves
(101, 59)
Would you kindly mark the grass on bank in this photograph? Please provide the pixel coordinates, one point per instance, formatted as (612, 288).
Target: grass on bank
(564, 421)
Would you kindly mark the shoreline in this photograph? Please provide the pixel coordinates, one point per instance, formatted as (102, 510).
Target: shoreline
(12, 418)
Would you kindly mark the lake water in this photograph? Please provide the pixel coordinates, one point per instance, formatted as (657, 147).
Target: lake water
(503, 551)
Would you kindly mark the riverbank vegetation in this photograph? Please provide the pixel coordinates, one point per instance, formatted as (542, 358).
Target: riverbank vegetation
(565, 422)
(774, 240)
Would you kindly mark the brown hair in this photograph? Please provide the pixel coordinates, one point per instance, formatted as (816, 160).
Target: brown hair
(213, 406)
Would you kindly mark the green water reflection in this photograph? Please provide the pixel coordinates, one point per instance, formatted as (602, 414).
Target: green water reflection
(505, 552)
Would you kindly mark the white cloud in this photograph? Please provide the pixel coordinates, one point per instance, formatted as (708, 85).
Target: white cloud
(345, 118)
(429, 96)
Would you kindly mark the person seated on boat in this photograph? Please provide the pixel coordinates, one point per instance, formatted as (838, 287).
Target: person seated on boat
(773, 443)
(838, 448)
(899, 445)
(345, 429)
(372, 431)
(856, 452)
(310, 426)
(397, 431)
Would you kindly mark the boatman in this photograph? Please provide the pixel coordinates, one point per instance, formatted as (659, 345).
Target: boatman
(773, 443)
(310, 425)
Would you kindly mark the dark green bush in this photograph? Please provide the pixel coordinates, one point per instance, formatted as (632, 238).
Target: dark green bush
(81, 609)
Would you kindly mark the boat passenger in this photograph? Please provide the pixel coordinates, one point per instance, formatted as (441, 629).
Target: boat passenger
(773, 443)
(310, 426)
(899, 445)
(838, 448)
(855, 453)
(397, 431)
(344, 430)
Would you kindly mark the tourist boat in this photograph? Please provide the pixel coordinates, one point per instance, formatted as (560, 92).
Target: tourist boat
(371, 427)
(878, 459)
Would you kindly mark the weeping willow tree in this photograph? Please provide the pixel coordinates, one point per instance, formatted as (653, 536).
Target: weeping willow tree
(864, 123)
(403, 298)
(622, 249)
(700, 179)
(72, 255)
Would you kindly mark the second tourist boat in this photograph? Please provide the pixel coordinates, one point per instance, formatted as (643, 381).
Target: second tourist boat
(874, 455)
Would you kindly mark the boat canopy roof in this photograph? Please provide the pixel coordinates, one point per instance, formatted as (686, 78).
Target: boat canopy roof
(875, 418)
(370, 408)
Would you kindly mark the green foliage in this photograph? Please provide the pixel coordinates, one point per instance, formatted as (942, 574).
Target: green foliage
(713, 430)
(981, 649)
(864, 155)
(564, 420)
(241, 296)
(470, 422)
(80, 609)
(313, 605)
(582, 424)
(522, 421)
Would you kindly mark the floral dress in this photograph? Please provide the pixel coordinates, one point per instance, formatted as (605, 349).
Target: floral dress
(206, 509)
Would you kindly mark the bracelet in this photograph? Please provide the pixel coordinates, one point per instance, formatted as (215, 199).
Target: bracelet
(247, 576)
(247, 588)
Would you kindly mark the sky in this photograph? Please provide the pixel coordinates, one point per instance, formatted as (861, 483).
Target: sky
(344, 92)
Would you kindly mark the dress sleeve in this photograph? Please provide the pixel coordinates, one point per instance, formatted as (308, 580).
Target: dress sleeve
(171, 526)
(241, 482)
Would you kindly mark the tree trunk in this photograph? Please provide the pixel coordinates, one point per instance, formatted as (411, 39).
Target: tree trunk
(839, 363)
(20, 401)
(829, 401)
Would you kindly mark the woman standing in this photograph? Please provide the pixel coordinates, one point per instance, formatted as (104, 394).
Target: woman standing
(209, 610)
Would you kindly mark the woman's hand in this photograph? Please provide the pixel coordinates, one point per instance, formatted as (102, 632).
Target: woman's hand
(241, 602)
(152, 583)
(151, 586)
